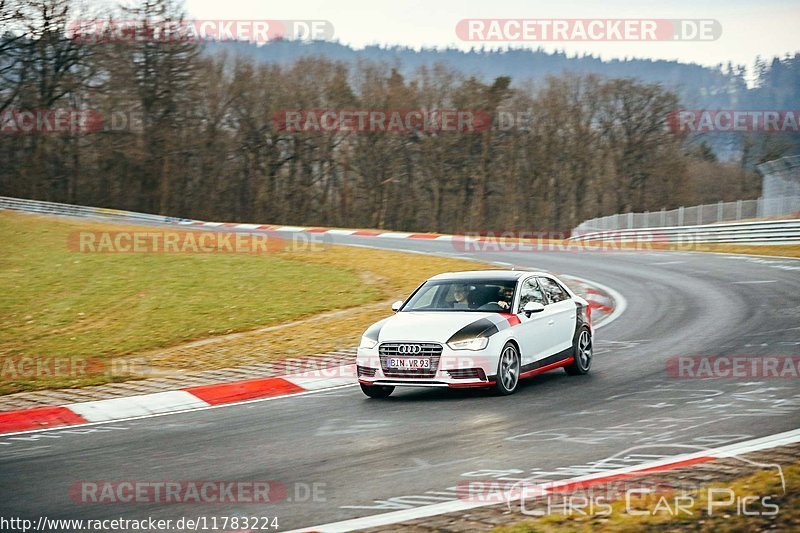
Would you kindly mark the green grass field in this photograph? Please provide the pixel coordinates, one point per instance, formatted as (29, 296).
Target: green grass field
(58, 303)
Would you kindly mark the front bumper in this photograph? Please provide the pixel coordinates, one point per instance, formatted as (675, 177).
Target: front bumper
(455, 369)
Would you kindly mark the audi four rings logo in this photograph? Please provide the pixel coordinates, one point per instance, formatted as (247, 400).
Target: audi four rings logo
(409, 349)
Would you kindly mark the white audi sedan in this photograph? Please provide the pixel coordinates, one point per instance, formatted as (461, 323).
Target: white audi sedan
(477, 329)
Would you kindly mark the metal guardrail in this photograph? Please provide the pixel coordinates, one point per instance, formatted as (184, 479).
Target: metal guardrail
(696, 215)
(781, 198)
(52, 208)
(758, 233)
(762, 232)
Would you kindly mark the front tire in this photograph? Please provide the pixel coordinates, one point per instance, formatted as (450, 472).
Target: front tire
(581, 353)
(377, 391)
(507, 370)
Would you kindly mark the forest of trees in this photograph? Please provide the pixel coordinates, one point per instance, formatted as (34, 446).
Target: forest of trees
(194, 136)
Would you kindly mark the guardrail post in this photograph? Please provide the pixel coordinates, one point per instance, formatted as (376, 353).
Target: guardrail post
(738, 210)
(760, 207)
(680, 216)
(719, 211)
(630, 220)
(699, 214)
(663, 216)
(646, 219)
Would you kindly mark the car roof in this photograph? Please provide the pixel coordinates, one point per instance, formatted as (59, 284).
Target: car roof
(487, 274)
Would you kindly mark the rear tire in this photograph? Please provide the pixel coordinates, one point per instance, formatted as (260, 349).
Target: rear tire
(377, 391)
(581, 353)
(507, 370)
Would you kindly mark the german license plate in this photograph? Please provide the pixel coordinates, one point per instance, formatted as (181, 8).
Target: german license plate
(409, 363)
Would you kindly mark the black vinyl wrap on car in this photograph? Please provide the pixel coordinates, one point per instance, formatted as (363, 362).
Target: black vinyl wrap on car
(374, 330)
(482, 327)
(581, 316)
(555, 358)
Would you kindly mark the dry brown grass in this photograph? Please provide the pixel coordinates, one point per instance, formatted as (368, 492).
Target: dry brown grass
(58, 303)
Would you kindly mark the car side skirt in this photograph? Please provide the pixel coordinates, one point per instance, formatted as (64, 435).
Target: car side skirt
(562, 358)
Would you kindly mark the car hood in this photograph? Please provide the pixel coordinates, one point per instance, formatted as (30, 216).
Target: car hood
(437, 326)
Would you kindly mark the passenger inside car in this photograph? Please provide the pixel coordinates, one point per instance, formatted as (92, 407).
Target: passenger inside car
(504, 297)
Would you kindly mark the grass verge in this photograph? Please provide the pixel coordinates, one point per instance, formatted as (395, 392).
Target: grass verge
(58, 303)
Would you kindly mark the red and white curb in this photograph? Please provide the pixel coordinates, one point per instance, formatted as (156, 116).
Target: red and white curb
(679, 461)
(605, 303)
(190, 398)
(318, 230)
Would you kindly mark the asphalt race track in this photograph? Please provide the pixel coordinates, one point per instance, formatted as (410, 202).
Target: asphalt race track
(363, 457)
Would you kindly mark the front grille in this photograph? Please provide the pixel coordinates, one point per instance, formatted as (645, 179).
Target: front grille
(427, 349)
(366, 371)
(467, 373)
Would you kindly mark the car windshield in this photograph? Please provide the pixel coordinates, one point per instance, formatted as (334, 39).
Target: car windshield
(484, 295)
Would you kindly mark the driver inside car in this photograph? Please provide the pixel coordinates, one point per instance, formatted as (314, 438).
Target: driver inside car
(460, 297)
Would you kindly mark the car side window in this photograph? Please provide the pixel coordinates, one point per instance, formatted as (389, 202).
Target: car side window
(555, 293)
(530, 292)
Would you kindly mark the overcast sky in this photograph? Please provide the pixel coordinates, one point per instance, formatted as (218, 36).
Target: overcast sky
(749, 27)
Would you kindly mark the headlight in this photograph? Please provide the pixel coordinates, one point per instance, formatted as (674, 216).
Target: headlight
(367, 343)
(478, 343)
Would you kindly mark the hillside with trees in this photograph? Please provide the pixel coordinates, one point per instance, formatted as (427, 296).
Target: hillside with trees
(189, 130)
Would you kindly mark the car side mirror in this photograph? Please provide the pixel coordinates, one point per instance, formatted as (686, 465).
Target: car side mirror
(532, 307)
(397, 305)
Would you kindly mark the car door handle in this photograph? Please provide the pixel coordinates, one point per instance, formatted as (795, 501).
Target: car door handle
(550, 322)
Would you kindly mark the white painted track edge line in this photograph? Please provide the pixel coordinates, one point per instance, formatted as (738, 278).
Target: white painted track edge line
(394, 517)
(620, 303)
(731, 254)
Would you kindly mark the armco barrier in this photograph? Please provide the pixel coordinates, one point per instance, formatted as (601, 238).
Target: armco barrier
(757, 233)
(784, 201)
(764, 232)
(52, 208)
